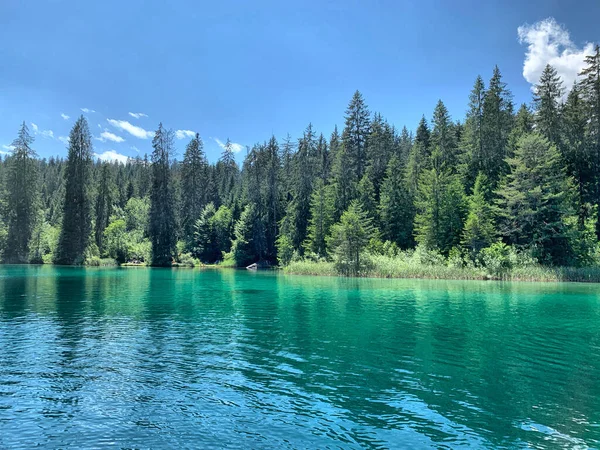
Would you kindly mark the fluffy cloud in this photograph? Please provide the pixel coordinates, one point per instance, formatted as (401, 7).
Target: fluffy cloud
(137, 115)
(111, 156)
(108, 136)
(550, 43)
(134, 130)
(234, 146)
(10, 148)
(44, 133)
(64, 116)
(64, 139)
(87, 110)
(181, 134)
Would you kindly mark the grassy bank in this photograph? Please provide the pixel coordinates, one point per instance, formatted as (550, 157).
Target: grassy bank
(380, 266)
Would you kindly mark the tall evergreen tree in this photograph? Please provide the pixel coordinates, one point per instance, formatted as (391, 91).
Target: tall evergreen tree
(479, 229)
(472, 140)
(575, 152)
(321, 218)
(590, 90)
(355, 134)
(22, 201)
(163, 226)
(396, 206)
(194, 178)
(496, 126)
(547, 95)
(104, 204)
(77, 224)
(535, 201)
(229, 171)
(443, 136)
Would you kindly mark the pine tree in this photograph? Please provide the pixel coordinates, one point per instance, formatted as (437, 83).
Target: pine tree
(272, 197)
(366, 197)
(590, 90)
(194, 179)
(344, 181)
(321, 218)
(472, 141)
(163, 226)
(22, 202)
(356, 131)
(496, 126)
(535, 201)
(396, 206)
(349, 239)
(229, 171)
(441, 208)
(76, 224)
(418, 158)
(547, 95)
(479, 229)
(104, 204)
(575, 152)
(443, 137)
(380, 145)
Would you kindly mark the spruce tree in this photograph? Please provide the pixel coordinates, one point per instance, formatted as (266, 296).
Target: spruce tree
(535, 201)
(321, 218)
(471, 141)
(349, 239)
(496, 126)
(356, 131)
(547, 96)
(441, 207)
(104, 204)
(575, 151)
(228, 175)
(77, 208)
(590, 90)
(443, 137)
(479, 229)
(22, 202)
(396, 206)
(163, 226)
(194, 178)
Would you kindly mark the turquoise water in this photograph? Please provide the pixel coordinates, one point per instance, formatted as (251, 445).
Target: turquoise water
(159, 358)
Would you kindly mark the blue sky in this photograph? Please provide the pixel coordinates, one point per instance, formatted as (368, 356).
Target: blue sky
(246, 70)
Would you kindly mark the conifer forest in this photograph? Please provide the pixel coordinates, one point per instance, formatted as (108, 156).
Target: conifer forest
(504, 186)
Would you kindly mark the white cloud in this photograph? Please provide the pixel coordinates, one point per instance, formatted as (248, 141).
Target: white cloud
(138, 115)
(234, 146)
(181, 134)
(10, 148)
(64, 116)
(64, 139)
(134, 130)
(87, 110)
(550, 43)
(108, 136)
(45, 133)
(112, 156)
(133, 147)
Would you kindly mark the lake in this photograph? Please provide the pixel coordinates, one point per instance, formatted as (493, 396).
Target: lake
(181, 358)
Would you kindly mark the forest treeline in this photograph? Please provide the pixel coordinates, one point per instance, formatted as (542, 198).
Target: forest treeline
(504, 181)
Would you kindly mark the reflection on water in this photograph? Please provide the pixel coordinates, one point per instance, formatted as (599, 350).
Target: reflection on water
(187, 358)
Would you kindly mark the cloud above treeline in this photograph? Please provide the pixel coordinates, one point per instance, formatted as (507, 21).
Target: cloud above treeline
(134, 130)
(137, 115)
(234, 145)
(548, 42)
(182, 134)
(111, 156)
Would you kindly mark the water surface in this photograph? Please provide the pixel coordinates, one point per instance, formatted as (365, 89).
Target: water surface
(160, 358)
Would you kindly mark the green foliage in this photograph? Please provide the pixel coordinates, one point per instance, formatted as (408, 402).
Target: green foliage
(242, 247)
(349, 239)
(194, 172)
(479, 231)
(163, 226)
(441, 210)
(321, 218)
(77, 221)
(535, 202)
(116, 242)
(396, 206)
